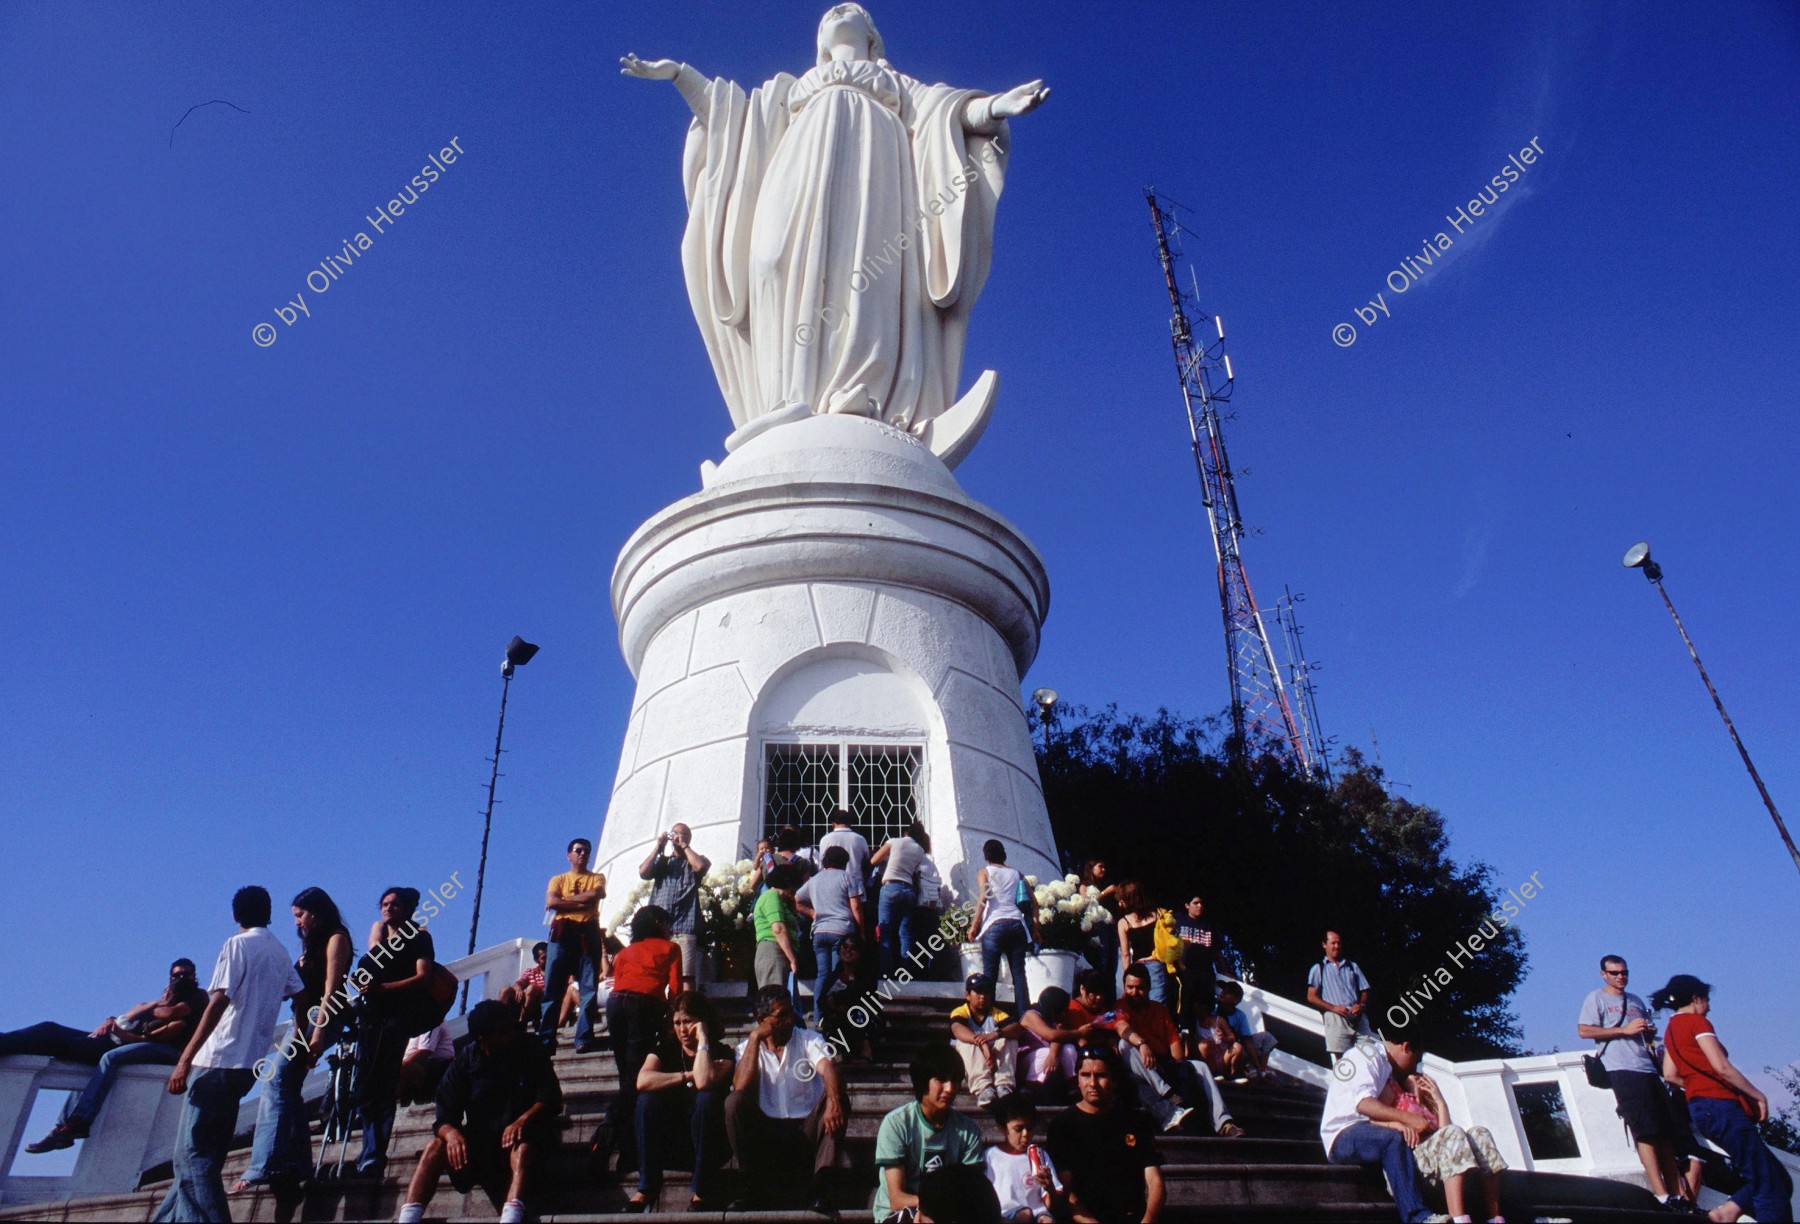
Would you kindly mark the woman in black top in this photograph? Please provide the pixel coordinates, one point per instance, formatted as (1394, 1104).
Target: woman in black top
(282, 1152)
(396, 1003)
(1137, 938)
(681, 1099)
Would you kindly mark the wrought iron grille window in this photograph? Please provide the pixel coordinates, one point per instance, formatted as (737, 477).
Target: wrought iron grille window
(803, 784)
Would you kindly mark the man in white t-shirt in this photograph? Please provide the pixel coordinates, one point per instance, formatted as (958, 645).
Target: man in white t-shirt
(787, 1110)
(1353, 1106)
(251, 980)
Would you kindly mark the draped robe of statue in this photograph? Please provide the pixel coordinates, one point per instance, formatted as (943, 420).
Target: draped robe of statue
(840, 227)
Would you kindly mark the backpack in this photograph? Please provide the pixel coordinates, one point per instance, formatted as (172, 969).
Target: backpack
(1168, 946)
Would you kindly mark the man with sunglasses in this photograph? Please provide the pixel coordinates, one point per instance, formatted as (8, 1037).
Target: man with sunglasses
(150, 1034)
(1620, 1022)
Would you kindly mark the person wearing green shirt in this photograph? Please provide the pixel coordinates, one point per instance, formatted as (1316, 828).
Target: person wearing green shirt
(927, 1156)
(777, 923)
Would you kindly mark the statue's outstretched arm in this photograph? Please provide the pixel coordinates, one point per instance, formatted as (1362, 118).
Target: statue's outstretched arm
(692, 84)
(983, 115)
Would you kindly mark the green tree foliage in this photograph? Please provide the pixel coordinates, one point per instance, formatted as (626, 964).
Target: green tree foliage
(1782, 1130)
(1278, 856)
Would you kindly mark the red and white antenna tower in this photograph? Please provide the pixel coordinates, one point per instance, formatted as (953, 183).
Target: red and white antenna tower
(1263, 712)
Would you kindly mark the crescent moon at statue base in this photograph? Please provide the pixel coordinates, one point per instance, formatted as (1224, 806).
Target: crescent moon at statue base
(951, 435)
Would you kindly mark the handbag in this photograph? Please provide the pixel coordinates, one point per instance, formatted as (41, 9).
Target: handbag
(1597, 1074)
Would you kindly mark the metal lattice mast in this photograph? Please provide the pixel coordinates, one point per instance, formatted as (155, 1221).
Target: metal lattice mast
(1261, 711)
(1300, 682)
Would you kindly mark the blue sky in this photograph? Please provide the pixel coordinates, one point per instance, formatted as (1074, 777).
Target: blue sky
(256, 597)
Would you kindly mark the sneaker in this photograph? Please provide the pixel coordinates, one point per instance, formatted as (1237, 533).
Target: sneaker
(60, 1137)
(513, 1212)
(1230, 1130)
(1176, 1119)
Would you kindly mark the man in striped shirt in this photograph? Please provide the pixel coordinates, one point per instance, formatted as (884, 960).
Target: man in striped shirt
(1337, 987)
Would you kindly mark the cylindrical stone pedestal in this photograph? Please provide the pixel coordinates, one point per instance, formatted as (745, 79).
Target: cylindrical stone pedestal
(832, 585)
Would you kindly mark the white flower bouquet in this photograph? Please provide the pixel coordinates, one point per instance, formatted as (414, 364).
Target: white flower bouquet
(1070, 917)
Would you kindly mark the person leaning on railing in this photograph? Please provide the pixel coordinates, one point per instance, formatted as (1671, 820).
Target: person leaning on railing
(150, 1034)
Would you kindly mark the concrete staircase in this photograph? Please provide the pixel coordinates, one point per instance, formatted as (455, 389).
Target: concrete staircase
(1277, 1172)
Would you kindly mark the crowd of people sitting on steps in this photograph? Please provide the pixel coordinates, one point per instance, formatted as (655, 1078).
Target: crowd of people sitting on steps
(1137, 1050)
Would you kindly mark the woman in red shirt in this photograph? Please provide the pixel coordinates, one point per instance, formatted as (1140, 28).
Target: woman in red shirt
(1724, 1105)
(646, 974)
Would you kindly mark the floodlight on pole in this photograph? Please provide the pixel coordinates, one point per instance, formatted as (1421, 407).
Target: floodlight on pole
(1638, 557)
(519, 652)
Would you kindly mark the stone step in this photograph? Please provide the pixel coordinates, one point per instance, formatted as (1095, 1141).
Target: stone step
(1215, 1193)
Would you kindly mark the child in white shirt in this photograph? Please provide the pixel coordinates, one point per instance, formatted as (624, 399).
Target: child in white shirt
(1023, 1177)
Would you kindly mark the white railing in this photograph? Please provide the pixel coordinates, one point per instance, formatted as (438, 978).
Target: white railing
(1485, 1093)
(135, 1131)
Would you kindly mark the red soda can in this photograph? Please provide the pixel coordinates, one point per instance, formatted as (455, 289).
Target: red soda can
(1037, 1160)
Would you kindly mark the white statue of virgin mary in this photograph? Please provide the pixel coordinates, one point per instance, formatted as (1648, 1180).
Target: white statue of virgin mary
(840, 227)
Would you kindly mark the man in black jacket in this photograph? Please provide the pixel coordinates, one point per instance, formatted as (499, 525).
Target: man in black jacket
(497, 1110)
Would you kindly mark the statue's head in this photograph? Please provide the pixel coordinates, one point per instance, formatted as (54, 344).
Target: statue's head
(850, 23)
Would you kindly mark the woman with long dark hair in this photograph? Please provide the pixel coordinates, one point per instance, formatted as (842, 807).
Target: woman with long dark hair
(281, 1155)
(1137, 937)
(681, 1100)
(399, 978)
(1724, 1105)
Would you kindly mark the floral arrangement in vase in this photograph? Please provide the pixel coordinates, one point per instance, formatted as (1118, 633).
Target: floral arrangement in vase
(1069, 915)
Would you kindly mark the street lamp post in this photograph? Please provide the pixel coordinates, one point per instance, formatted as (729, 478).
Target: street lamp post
(1638, 557)
(519, 652)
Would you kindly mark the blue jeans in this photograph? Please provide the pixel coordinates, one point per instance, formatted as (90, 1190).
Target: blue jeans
(375, 1085)
(1768, 1191)
(577, 955)
(55, 1041)
(635, 1023)
(896, 917)
(202, 1141)
(1010, 939)
(1367, 1144)
(825, 951)
(80, 1112)
(282, 1149)
(662, 1116)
